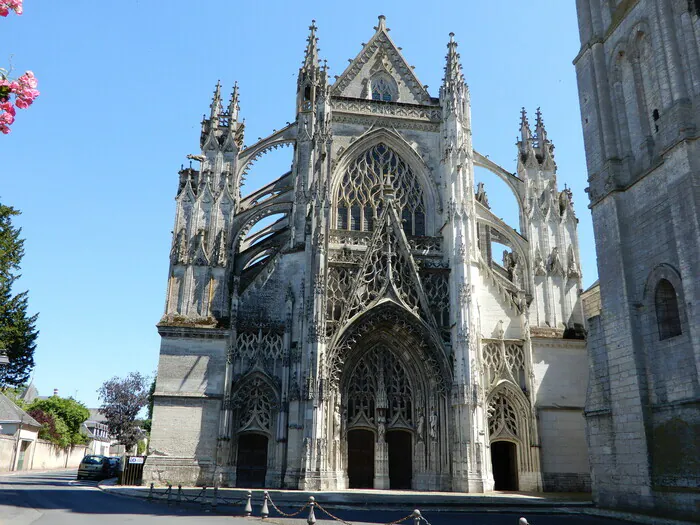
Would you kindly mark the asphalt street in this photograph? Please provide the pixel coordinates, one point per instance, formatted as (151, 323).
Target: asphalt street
(57, 498)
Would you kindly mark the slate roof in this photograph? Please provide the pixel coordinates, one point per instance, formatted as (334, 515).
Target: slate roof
(11, 413)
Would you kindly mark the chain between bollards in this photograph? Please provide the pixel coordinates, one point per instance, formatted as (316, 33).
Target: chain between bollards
(265, 512)
(311, 520)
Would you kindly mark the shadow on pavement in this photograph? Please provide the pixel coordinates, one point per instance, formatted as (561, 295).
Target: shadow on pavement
(63, 492)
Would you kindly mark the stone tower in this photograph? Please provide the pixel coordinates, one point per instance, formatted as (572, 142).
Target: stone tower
(639, 87)
(347, 325)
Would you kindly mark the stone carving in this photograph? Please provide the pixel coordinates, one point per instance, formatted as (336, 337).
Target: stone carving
(481, 195)
(433, 425)
(420, 425)
(336, 422)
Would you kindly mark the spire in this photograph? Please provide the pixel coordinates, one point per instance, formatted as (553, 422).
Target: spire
(216, 104)
(311, 62)
(539, 129)
(233, 106)
(453, 68)
(525, 133)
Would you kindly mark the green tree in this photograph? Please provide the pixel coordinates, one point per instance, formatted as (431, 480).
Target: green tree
(70, 412)
(52, 429)
(14, 394)
(17, 329)
(147, 422)
(122, 400)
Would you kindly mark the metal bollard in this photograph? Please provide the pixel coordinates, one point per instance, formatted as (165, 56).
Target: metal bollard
(265, 512)
(204, 498)
(311, 520)
(216, 491)
(248, 505)
(416, 517)
(523, 521)
(150, 493)
(168, 492)
(179, 495)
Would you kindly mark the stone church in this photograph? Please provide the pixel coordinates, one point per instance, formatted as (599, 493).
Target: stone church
(349, 325)
(639, 87)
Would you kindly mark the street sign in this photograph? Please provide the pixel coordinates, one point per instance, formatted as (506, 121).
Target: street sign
(138, 460)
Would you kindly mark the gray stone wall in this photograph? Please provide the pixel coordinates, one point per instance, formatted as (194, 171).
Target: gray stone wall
(639, 113)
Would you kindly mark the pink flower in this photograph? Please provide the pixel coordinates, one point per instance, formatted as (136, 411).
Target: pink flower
(7, 106)
(7, 5)
(6, 119)
(28, 79)
(4, 129)
(21, 103)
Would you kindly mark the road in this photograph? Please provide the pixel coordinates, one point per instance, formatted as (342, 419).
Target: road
(57, 498)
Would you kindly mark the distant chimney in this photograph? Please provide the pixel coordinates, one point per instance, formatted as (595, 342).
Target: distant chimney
(55, 391)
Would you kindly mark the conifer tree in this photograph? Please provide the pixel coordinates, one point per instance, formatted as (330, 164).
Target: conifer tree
(17, 328)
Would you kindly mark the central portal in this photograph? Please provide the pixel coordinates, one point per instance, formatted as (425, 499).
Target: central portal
(384, 417)
(361, 459)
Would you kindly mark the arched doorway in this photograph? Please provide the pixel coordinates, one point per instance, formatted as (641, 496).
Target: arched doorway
(252, 460)
(504, 461)
(400, 459)
(361, 459)
(382, 392)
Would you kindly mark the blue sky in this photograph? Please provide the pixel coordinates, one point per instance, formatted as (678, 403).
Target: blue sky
(93, 163)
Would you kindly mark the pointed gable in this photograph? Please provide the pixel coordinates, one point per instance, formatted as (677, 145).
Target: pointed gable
(381, 72)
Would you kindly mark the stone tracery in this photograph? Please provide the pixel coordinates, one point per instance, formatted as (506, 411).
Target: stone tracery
(359, 202)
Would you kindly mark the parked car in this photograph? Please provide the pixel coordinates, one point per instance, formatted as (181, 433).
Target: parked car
(97, 467)
(115, 466)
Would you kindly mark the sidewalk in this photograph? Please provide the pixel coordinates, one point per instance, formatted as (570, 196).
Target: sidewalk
(24, 472)
(379, 499)
(291, 500)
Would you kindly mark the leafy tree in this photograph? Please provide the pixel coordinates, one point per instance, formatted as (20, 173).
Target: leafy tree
(17, 329)
(147, 422)
(14, 394)
(122, 400)
(69, 412)
(53, 428)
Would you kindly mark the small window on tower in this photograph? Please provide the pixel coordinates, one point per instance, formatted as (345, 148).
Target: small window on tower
(667, 315)
(307, 93)
(655, 115)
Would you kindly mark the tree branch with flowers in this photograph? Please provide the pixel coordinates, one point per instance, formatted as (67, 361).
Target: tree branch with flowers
(10, 5)
(19, 92)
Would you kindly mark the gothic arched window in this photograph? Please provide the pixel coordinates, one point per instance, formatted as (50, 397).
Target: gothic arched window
(667, 315)
(359, 196)
(502, 417)
(255, 406)
(384, 88)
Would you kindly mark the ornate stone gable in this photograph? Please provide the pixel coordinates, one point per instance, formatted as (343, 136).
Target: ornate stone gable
(379, 72)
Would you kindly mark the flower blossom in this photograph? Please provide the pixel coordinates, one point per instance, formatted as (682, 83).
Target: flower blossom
(24, 90)
(10, 5)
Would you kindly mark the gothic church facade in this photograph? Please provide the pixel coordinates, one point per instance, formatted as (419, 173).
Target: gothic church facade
(639, 87)
(365, 336)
